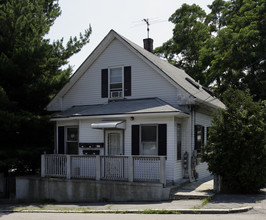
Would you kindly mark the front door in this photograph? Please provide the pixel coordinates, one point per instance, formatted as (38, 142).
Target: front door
(114, 142)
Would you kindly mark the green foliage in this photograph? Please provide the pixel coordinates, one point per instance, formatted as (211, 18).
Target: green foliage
(31, 74)
(236, 148)
(225, 48)
(189, 34)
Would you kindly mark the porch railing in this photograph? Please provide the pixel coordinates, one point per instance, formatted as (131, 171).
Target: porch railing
(95, 167)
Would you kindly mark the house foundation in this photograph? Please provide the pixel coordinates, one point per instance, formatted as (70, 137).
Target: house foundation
(64, 190)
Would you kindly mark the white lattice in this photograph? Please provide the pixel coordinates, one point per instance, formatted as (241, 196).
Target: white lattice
(83, 167)
(114, 167)
(146, 169)
(55, 165)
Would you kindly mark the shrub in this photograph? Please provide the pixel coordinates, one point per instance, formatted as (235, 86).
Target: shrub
(236, 147)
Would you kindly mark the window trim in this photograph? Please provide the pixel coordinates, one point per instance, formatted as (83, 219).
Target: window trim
(109, 82)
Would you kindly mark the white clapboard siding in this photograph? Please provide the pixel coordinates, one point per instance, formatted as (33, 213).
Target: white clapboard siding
(88, 134)
(202, 170)
(185, 145)
(145, 81)
(204, 120)
(170, 140)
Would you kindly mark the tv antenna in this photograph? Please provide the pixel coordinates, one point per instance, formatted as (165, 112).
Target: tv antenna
(148, 23)
(148, 26)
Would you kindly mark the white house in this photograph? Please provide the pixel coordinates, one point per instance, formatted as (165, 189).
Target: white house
(128, 115)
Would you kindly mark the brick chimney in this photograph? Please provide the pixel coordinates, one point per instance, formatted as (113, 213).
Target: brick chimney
(148, 44)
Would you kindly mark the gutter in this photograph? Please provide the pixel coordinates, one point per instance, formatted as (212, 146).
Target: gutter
(149, 114)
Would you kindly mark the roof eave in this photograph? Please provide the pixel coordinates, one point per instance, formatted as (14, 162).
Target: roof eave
(148, 114)
(210, 105)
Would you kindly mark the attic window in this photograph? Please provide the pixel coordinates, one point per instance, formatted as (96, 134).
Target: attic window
(116, 82)
(208, 91)
(192, 83)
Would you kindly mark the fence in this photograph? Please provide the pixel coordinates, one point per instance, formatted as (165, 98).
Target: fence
(95, 167)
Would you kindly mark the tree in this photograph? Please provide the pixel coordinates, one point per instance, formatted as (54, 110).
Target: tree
(222, 49)
(236, 147)
(239, 57)
(31, 74)
(189, 35)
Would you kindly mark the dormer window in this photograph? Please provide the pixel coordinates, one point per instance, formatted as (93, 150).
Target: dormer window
(116, 82)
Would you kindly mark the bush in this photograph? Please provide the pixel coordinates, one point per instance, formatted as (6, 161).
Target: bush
(236, 148)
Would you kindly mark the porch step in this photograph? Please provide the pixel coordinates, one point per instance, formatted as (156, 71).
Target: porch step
(184, 195)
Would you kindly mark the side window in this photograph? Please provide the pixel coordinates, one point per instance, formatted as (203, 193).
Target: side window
(199, 137)
(179, 143)
(208, 133)
(72, 140)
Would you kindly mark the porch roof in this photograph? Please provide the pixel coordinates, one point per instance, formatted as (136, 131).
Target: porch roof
(121, 107)
(108, 124)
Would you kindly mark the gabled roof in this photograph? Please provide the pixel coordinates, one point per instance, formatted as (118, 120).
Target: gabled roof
(123, 107)
(178, 76)
(173, 74)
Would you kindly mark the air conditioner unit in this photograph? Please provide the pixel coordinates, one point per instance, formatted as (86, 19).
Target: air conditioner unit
(116, 94)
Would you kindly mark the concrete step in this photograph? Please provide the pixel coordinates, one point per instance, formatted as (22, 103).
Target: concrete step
(190, 195)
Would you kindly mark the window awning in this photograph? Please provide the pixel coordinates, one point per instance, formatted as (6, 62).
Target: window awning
(108, 124)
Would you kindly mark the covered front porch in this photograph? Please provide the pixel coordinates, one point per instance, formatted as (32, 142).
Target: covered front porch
(151, 169)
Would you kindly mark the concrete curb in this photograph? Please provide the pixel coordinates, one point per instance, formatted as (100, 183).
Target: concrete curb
(147, 211)
(182, 196)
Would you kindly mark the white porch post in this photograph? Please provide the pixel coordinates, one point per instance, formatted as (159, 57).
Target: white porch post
(43, 165)
(98, 167)
(162, 170)
(68, 167)
(130, 169)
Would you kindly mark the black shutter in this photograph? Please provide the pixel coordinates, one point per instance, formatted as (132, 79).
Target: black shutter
(127, 81)
(61, 140)
(135, 139)
(104, 83)
(162, 139)
(208, 133)
(202, 136)
(196, 142)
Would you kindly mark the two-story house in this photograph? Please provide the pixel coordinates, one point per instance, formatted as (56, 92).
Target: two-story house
(127, 115)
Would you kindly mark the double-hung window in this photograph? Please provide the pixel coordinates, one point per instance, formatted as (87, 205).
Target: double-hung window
(199, 137)
(72, 140)
(149, 139)
(179, 144)
(149, 144)
(116, 82)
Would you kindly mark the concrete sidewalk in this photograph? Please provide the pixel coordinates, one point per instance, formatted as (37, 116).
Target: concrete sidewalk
(200, 189)
(219, 204)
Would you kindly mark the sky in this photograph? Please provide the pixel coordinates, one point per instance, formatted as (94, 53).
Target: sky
(123, 16)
